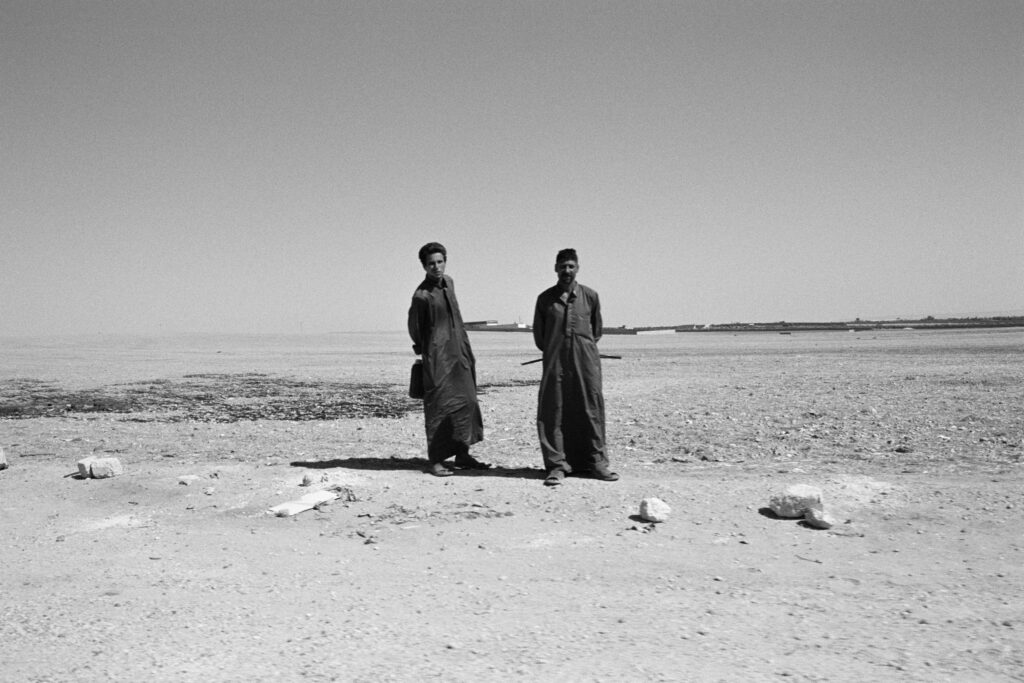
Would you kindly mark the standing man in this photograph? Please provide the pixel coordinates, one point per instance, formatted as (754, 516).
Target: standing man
(570, 406)
(451, 412)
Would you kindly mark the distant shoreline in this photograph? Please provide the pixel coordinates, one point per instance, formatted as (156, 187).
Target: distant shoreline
(928, 323)
(145, 338)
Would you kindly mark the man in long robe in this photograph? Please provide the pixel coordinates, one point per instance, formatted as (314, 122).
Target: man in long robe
(570, 406)
(450, 408)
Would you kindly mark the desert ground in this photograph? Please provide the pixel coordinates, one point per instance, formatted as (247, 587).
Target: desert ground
(175, 571)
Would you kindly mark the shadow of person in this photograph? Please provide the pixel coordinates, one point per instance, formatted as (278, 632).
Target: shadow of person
(418, 464)
(516, 472)
(363, 464)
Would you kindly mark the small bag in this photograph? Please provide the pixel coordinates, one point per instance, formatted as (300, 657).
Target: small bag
(416, 389)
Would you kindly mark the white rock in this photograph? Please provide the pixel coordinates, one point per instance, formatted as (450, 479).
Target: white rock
(188, 479)
(307, 502)
(83, 466)
(104, 468)
(795, 500)
(3, 459)
(816, 517)
(654, 510)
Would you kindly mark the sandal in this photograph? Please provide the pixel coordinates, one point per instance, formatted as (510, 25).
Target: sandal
(603, 474)
(468, 462)
(438, 470)
(554, 478)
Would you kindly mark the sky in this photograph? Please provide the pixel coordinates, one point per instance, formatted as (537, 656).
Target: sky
(273, 167)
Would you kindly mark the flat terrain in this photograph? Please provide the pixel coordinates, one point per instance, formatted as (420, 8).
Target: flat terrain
(174, 571)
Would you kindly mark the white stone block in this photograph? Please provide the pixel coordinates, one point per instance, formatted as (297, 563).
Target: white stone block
(654, 510)
(3, 459)
(306, 502)
(83, 466)
(795, 500)
(104, 468)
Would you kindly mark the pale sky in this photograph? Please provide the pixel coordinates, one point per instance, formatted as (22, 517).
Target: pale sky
(275, 166)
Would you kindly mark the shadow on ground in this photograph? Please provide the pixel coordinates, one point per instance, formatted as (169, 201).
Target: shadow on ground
(414, 464)
(770, 514)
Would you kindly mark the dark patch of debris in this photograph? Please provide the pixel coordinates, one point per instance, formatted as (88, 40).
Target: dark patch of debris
(210, 398)
(482, 388)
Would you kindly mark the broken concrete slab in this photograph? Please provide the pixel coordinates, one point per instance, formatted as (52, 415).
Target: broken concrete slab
(99, 468)
(307, 502)
(105, 468)
(83, 466)
(795, 500)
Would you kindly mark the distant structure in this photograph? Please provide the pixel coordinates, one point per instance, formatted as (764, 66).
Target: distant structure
(494, 326)
(782, 326)
(929, 323)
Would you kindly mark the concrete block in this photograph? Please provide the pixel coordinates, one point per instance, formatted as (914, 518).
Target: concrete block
(83, 466)
(654, 510)
(795, 500)
(104, 468)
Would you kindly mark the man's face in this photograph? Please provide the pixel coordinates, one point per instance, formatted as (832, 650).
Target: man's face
(434, 265)
(567, 272)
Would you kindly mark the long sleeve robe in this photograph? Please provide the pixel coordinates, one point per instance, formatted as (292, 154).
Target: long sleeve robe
(451, 412)
(570, 406)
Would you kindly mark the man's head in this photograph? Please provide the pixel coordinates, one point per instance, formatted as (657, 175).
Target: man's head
(567, 264)
(433, 257)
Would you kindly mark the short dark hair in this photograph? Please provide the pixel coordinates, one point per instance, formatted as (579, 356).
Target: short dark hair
(567, 255)
(432, 248)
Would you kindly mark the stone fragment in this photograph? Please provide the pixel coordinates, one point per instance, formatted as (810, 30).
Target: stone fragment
(816, 517)
(306, 502)
(104, 468)
(83, 466)
(795, 500)
(307, 479)
(654, 510)
(188, 479)
(3, 459)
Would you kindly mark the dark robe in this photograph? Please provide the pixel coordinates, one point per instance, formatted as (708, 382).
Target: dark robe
(570, 405)
(451, 412)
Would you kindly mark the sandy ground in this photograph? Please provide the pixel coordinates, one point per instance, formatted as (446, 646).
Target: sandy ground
(913, 437)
